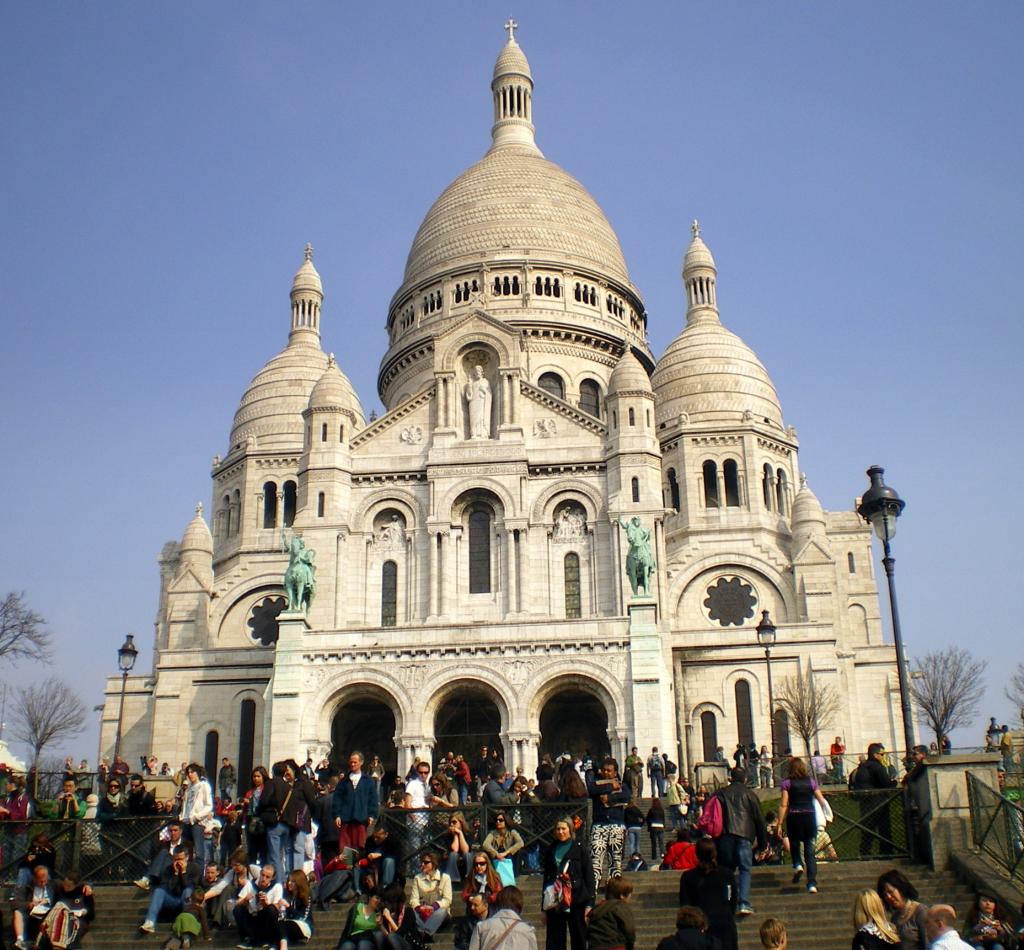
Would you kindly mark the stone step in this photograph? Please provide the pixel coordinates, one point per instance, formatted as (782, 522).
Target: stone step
(815, 922)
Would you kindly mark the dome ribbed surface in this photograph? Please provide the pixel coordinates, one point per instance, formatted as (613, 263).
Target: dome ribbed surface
(334, 391)
(515, 203)
(697, 255)
(629, 375)
(807, 509)
(512, 60)
(272, 407)
(712, 375)
(307, 278)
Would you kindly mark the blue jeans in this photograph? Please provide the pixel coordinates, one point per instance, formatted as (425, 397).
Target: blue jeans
(201, 846)
(161, 900)
(297, 856)
(632, 841)
(385, 872)
(737, 853)
(278, 848)
(657, 784)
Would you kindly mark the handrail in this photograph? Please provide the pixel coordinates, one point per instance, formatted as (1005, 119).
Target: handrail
(997, 825)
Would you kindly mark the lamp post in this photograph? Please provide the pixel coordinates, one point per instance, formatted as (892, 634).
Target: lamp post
(880, 507)
(125, 661)
(766, 637)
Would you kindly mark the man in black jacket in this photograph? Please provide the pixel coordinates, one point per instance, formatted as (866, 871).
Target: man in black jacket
(176, 886)
(870, 780)
(743, 829)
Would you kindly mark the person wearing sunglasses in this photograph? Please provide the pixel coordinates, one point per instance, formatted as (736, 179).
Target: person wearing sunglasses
(483, 881)
(458, 837)
(431, 896)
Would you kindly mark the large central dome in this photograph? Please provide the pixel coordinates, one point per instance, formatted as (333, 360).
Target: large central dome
(515, 203)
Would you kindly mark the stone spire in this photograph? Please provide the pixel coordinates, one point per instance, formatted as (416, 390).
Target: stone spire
(699, 280)
(512, 87)
(307, 297)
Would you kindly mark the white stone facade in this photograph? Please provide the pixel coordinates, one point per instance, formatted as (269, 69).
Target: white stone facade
(469, 561)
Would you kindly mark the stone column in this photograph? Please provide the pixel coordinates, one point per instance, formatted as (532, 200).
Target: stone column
(433, 557)
(511, 561)
(279, 514)
(285, 688)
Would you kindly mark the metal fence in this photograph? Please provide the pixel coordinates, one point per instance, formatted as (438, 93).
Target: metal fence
(109, 852)
(418, 830)
(997, 824)
(870, 824)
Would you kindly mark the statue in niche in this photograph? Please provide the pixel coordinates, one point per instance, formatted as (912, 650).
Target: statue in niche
(570, 523)
(300, 576)
(477, 393)
(391, 535)
(640, 560)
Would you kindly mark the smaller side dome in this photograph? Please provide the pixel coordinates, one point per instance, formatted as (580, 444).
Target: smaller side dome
(197, 537)
(807, 510)
(307, 278)
(333, 391)
(629, 375)
(698, 254)
(512, 61)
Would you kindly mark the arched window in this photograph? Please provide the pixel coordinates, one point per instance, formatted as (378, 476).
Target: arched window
(851, 562)
(289, 504)
(341, 433)
(709, 735)
(321, 504)
(632, 416)
(710, 471)
(780, 491)
(269, 505)
(552, 384)
(731, 476)
(673, 488)
(480, 552)
(615, 419)
(389, 594)
(783, 743)
(571, 572)
(210, 754)
(538, 286)
(246, 742)
(323, 432)
(590, 398)
(744, 715)
(766, 487)
(635, 489)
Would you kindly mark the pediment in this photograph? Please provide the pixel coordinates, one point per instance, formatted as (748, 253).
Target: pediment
(408, 424)
(559, 408)
(813, 553)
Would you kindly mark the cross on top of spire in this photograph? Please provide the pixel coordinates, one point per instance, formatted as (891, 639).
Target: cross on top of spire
(309, 251)
(695, 228)
(511, 26)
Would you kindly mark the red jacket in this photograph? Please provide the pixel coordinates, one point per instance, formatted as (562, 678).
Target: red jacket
(681, 856)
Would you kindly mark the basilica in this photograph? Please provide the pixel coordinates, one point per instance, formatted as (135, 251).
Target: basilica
(457, 568)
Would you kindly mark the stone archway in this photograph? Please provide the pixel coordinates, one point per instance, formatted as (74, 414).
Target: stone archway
(574, 720)
(365, 721)
(465, 720)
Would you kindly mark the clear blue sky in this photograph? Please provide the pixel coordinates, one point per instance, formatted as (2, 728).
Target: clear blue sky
(857, 169)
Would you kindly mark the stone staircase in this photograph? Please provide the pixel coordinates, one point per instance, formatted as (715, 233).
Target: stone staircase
(815, 921)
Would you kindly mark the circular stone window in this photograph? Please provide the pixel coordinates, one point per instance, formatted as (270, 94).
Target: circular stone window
(730, 601)
(262, 621)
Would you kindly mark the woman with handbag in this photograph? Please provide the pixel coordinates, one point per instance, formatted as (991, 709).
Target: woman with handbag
(255, 830)
(796, 815)
(501, 845)
(568, 889)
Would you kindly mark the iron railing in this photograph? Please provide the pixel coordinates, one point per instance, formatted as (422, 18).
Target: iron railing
(997, 824)
(418, 830)
(107, 852)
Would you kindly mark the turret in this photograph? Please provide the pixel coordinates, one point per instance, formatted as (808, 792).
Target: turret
(307, 299)
(512, 87)
(631, 446)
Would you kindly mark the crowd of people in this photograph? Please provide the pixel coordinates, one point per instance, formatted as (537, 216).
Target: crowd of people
(303, 837)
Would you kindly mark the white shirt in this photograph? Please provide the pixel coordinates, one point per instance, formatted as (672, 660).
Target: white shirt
(949, 939)
(417, 792)
(274, 895)
(354, 778)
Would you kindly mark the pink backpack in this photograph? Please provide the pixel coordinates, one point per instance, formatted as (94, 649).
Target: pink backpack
(711, 817)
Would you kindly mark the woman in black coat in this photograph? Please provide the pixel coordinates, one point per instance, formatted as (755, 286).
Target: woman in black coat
(713, 890)
(564, 854)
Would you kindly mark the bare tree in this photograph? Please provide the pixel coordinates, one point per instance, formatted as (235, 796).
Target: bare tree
(23, 633)
(46, 712)
(1015, 691)
(810, 705)
(946, 687)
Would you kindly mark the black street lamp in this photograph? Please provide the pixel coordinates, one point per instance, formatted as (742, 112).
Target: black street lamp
(766, 637)
(125, 661)
(880, 507)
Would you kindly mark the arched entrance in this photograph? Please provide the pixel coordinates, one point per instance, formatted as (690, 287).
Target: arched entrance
(366, 723)
(574, 720)
(467, 719)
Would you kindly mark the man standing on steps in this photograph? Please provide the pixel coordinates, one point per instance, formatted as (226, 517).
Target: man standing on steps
(656, 773)
(869, 781)
(742, 825)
